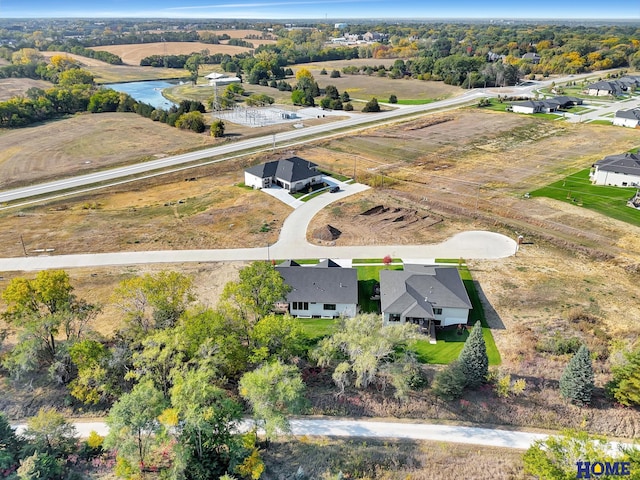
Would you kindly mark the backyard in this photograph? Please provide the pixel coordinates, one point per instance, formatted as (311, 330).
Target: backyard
(449, 341)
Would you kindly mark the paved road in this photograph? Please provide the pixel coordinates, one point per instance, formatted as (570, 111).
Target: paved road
(374, 429)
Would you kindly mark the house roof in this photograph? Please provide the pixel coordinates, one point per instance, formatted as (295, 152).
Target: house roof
(417, 289)
(633, 114)
(624, 163)
(215, 76)
(327, 263)
(528, 103)
(561, 101)
(320, 285)
(604, 85)
(290, 170)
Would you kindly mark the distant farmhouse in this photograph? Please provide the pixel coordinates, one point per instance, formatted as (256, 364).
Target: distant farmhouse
(219, 79)
(627, 118)
(617, 170)
(429, 296)
(545, 106)
(613, 87)
(293, 174)
(325, 290)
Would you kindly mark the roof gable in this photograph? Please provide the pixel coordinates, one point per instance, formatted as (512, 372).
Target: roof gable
(625, 163)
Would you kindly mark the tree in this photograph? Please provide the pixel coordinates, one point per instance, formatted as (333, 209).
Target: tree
(217, 129)
(625, 386)
(42, 308)
(363, 350)
(555, 458)
(254, 294)
(473, 358)
(49, 432)
(133, 423)
(372, 106)
(153, 301)
(193, 65)
(10, 447)
(40, 466)
(335, 74)
(393, 99)
(276, 337)
(450, 382)
(577, 382)
(208, 418)
(89, 357)
(273, 390)
(193, 121)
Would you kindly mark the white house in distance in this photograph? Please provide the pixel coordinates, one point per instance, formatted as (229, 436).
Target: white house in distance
(325, 290)
(545, 106)
(617, 170)
(627, 118)
(292, 174)
(221, 79)
(429, 296)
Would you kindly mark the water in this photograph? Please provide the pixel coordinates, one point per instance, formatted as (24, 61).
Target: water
(147, 92)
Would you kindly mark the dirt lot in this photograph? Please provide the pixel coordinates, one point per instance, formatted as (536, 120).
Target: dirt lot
(17, 87)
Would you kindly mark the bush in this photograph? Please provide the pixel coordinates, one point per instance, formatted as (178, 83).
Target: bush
(393, 99)
(372, 106)
(577, 380)
(335, 74)
(559, 345)
(348, 107)
(450, 382)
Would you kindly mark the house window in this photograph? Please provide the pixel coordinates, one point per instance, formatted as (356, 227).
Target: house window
(301, 305)
(437, 311)
(394, 317)
(329, 306)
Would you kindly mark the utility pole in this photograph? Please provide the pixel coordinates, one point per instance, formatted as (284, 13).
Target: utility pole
(24, 249)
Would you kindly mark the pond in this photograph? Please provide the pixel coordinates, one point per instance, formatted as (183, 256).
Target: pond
(147, 92)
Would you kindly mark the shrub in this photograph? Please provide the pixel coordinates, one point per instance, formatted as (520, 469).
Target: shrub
(335, 74)
(577, 381)
(450, 382)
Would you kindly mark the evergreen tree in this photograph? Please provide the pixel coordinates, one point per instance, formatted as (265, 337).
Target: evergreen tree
(576, 382)
(372, 106)
(450, 382)
(473, 358)
(625, 386)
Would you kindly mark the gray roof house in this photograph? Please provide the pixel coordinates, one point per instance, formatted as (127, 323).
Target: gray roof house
(618, 170)
(292, 174)
(532, 57)
(627, 118)
(604, 88)
(325, 290)
(425, 295)
(547, 105)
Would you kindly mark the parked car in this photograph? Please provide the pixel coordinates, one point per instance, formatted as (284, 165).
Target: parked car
(334, 189)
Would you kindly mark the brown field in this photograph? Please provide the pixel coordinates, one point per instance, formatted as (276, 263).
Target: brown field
(132, 54)
(388, 459)
(88, 142)
(17, 87)
(106, 73)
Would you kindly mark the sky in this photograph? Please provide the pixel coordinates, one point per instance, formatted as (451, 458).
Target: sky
(334, 10)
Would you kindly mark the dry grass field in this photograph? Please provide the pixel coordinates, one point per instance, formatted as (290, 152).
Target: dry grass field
(17, 87)
(131, 54)
(323, 458)
(88, 142)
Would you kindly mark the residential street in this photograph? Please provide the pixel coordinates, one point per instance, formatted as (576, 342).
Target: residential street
(291, 244)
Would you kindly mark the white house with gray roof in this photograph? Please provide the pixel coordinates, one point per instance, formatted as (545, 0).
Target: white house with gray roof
(617, 170)
(325, 290)
(293, 174)
(627, 118)
(424, 295)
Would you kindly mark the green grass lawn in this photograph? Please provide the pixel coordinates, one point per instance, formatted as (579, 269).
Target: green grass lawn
(368, 276)
(316, 328)
(337, 176)
(417, 101)
(578, 190)
(356, 261)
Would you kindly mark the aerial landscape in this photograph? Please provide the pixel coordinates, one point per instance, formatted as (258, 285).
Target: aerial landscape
(319, 240)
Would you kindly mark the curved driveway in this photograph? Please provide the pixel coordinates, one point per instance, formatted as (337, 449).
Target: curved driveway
(292, 244)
